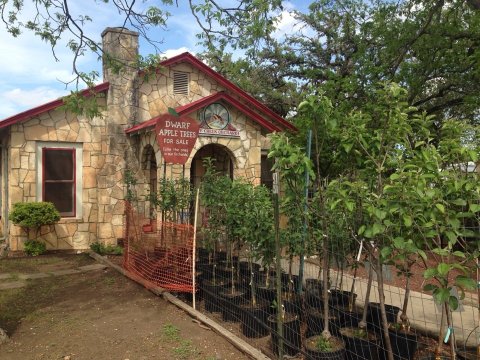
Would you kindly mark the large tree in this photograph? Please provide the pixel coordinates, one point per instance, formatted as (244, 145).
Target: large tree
(347, 47)
(344, 47)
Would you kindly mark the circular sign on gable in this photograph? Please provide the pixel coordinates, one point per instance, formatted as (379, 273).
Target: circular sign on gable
(216, 116)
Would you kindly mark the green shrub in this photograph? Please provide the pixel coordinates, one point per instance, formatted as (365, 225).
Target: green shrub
(34, 248)
(34, 214)
(101, 249)
(324, 344)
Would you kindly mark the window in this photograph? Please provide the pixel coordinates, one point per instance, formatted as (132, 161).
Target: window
(180, 83)
(59, 179)
(266, 171)
(59, 176)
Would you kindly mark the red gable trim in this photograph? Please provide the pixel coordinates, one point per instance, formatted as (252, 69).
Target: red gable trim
(142, 126)
(187, 57)
(48, 106)
(189, 108)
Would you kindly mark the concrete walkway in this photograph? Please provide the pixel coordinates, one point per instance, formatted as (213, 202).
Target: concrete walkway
(15, 281)
(423, 312)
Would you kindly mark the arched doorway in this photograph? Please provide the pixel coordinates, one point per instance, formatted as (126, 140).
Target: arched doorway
(149, 166)
(223, 162)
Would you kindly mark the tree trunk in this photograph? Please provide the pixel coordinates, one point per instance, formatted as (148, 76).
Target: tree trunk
(383, 314)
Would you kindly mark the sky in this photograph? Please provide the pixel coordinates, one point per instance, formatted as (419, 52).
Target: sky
(30, 76)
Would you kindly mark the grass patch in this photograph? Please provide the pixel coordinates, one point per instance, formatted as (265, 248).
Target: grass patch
(44, 263)
(184, 350)
(109, 281)
(171, 332)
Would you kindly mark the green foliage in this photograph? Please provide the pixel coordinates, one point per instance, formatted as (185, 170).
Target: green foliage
(171, 332)
(88, 105)
(130, 181)
(323, 344)
(347, 47)
(173, 198)
(34, 214)
(413, 192)
(102, 249)
(34, 248)
(213, 193)
(292, 164)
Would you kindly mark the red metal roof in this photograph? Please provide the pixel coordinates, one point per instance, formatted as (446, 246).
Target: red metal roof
(189, 58)
(48, 106)
(189, 108)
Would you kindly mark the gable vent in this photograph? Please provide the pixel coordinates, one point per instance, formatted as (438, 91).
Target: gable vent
(180, 83)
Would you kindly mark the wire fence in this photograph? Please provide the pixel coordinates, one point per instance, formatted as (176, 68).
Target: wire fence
(159, 252)
(243, 296)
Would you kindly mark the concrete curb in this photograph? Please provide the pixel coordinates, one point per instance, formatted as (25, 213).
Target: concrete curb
(240, 344)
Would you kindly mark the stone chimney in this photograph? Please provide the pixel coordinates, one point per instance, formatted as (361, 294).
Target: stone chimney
(121, 45)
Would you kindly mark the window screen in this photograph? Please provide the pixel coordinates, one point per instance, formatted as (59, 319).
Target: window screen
(59, 179)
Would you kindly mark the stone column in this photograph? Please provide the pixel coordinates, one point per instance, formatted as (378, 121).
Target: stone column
(120, 47)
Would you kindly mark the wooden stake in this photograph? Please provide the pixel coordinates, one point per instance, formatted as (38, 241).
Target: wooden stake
(194, 246)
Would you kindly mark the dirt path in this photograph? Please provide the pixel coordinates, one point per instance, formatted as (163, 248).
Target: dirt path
(101, 315)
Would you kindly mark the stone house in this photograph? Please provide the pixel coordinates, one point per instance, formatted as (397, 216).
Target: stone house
(78, 163)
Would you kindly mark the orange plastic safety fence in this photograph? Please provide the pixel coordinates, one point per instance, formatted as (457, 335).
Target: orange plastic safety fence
(159, 253)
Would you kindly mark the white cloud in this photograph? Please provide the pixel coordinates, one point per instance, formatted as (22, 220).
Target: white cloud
(288, 24)
(18, 100)
(30, 76)
(173, 52)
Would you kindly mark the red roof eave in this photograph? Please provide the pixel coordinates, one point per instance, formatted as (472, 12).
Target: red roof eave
(227, 84)
(25, 115)
(189, 108)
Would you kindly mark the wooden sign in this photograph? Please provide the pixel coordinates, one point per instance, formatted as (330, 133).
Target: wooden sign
(176, 136)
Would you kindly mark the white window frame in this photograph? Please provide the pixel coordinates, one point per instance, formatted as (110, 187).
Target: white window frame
(78, 172)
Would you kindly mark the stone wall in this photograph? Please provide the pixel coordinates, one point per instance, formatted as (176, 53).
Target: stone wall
(107, 152)
(57, 127)
(156, 93)
(156, 96)
(245, 151)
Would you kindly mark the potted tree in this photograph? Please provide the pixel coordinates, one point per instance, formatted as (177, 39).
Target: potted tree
(213, 192)
(235, 210)
(258, 237)
(292, 164)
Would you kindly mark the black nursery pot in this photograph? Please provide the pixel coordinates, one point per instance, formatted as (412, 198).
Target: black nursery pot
(267, 294)
(316, 323)
(359, 348)
(467, 354)
(293, 304)
(211, 295)
(374, 319)
(231, 304)
(254, 319)
(341, 297)
(404, 344)
(203, 255)
(312, 353)
(292, 340)
(288, 284)
(348, 318)
(245, 267)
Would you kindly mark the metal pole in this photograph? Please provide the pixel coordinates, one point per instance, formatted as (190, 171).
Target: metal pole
(278, 263)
